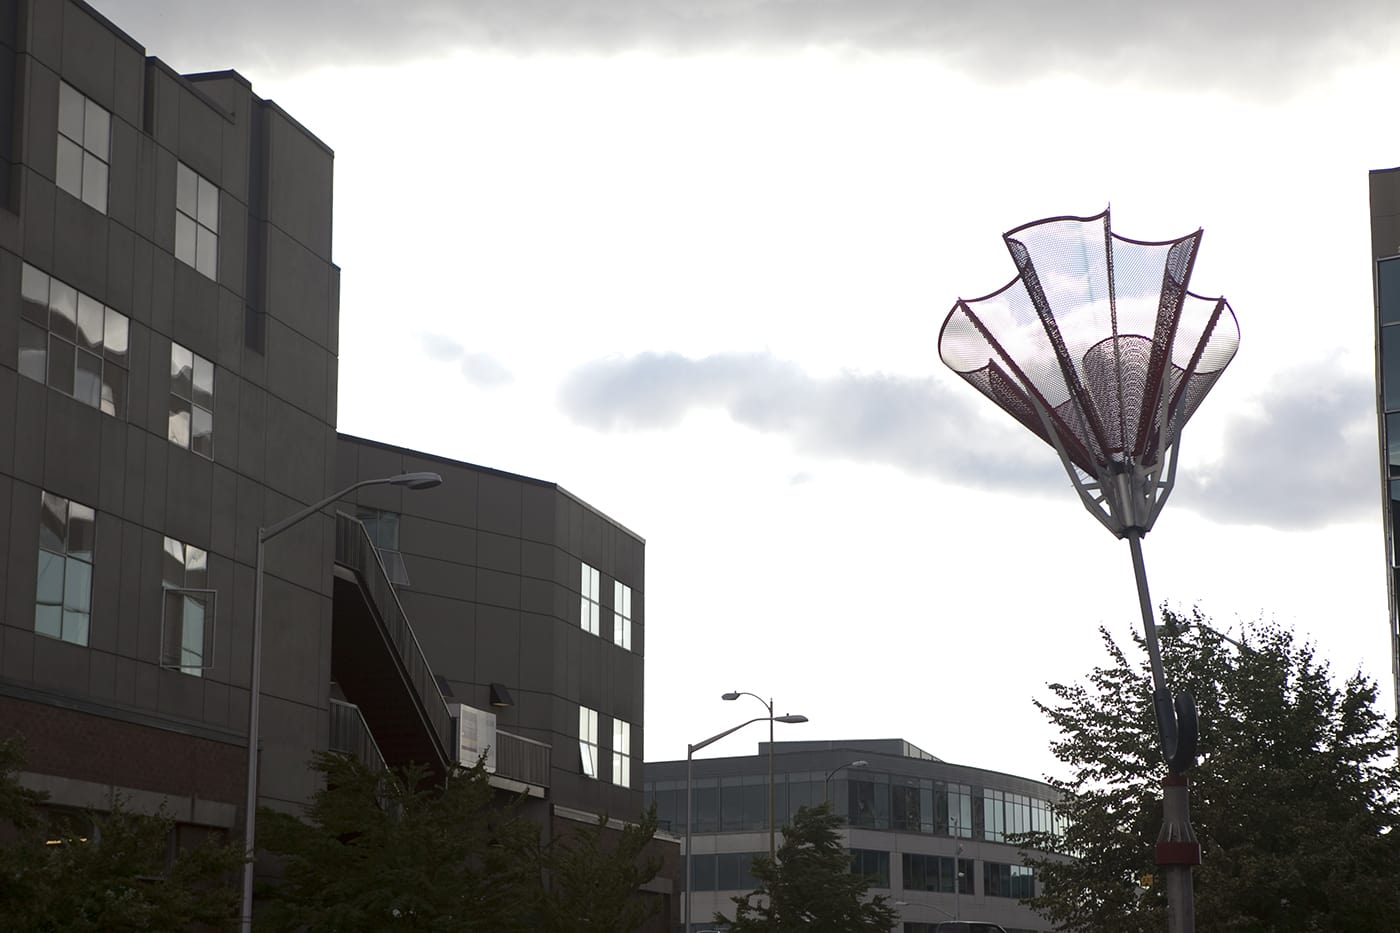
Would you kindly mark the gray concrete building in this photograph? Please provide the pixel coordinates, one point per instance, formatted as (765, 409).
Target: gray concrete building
(1385, 266)
(934, 837)
(168, 372)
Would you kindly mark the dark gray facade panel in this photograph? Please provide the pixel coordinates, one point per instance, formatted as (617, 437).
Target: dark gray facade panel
(500, 553)
(153, 479)
(106, 584)
(9, 390)
(147, 185)
(102, 676)
(223, 525)
(60, 665)
(40, 138)
(80, 254)
(45, 31)
(128, 618)
(296, 450)
(134, 473)
(300, 186)
(233, 243)
(455, 544)
(31, 412)
(121, 266)
(162, 310)
(228, 389)
(128, 80)
(296, 369)
(298, 287)
(124, 174)
(200, 136)
(251, 441)
(189, 497)
(89, 55)
(71, 456)
(195, 321)
(498, 504)
(37, 210)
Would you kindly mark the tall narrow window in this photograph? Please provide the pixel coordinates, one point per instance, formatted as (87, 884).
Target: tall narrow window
(72, 342)
(191, 422)
(196, 221)
(589, 585)
(84, 144)
(187, 617)
(588, 741)
(622, 615)
(383, 530)
(622, 753)
(63, 596)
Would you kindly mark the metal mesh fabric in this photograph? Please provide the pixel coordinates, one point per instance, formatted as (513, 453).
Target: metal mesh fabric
(1098, 332)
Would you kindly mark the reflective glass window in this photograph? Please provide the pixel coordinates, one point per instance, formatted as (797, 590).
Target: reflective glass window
(187, 622)
(590, 587)
(588, 740)
(191, 420)
(64, 341)
(196, 221)
(622, 615)
(63, 588)
(622, 753)
(84, 146)
(1388, 290)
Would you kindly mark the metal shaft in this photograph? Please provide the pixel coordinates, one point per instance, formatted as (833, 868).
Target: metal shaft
(689, 819)
(1177, 849)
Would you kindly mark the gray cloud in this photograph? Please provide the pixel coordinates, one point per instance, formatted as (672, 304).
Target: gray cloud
(918, 425)
(480, 369)
(1307, 457)
(1267, 47)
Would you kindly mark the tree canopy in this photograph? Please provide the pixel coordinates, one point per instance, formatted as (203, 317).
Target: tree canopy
(810, 887)
(113, 872)
(1295, 800)
(379, 851)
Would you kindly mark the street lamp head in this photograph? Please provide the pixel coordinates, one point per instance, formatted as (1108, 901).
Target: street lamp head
(416, 480)
(860, 763)
(730, 696)
(790, 718)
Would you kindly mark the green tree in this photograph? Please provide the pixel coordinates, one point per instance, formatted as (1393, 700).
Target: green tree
(810, 888)
(387, 852)
(104, 871)
(595, 878)
(1295, 801)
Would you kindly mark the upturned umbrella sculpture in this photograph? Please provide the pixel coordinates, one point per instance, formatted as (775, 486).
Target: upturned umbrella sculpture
(1100, 350)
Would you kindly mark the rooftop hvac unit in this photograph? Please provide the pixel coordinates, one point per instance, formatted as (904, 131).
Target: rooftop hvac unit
(476, 735)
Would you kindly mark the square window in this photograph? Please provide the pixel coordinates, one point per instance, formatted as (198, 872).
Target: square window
(191, 412)
(178, 427)
(63, 310)
(84, 146)
(34, 290)
(196, 221)
(90, 322)
(185, 239)
(72, 108)
(64, 341)
(97, 130)
(68, 174)
(95, 183)
(87, 379)
(186, 190)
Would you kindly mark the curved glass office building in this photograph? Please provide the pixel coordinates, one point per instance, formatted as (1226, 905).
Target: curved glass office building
(934, 835)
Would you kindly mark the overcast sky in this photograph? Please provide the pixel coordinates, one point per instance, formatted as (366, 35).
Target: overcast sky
(689, 260)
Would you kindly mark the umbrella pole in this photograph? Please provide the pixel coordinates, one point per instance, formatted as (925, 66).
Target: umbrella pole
(1177, 849)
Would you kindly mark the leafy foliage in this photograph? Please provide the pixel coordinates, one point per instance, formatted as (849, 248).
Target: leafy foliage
(381, 851)
(1295, 801)
(390, 852)
(593, 884)
(810, 888)
(105, 872)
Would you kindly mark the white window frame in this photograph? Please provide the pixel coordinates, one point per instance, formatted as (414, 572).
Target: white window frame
(84, 147)
(622, 615)
(590, 586)
(588, 741)
(196, 221)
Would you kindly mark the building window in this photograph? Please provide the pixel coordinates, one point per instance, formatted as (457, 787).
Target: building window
(622, 753)
(72, 342)
(590, 586)
(622, 615)
(937, 873)
(873, 864)
(84, 141)
(1007, 880)
(191, 401)
(588, 740)
(63, 594)
(196, 221)
(383, 530)
(187, 616)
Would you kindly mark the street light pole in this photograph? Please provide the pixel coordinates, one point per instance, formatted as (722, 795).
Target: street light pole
(409, 480)
(858, 763)
(772, 809)
(690, 751)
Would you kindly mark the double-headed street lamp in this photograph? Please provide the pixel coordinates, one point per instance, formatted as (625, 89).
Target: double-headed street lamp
(408, 480)
(690, 751)
(772, 809)
(858, 763)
